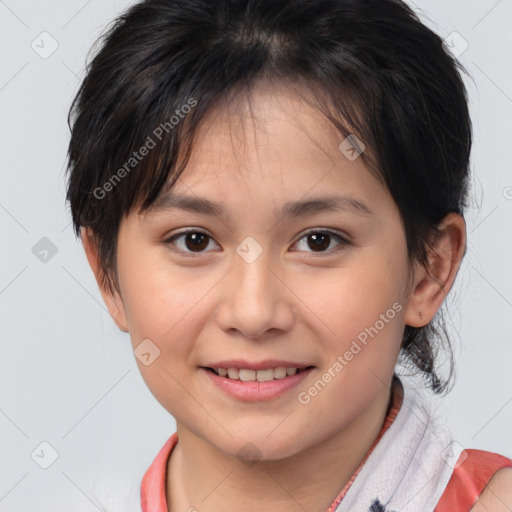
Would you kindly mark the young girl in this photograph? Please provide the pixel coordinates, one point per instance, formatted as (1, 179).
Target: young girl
(270, 195)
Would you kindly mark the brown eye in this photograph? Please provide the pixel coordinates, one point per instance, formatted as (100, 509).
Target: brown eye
(320, 241)
(196, 241)
(191, 241)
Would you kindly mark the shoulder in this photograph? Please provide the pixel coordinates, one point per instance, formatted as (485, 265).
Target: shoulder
(497, 495)
(481, 482)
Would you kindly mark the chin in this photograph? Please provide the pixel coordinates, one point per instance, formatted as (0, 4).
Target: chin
(250, 449)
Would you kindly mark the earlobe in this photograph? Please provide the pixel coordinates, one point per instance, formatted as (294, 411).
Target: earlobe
(432, 284)
(113, 300)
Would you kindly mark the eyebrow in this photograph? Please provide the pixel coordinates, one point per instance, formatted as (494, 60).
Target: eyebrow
(203, 206)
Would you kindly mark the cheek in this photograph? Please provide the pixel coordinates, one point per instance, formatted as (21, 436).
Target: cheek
(162, 306)
(362, 303)
(158, 301)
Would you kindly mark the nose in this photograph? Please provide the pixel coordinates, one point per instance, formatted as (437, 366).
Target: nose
(255, 299)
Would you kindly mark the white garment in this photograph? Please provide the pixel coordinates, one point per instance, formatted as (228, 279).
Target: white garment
(411, 465)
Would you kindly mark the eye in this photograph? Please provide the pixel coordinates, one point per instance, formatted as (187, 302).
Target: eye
(319, 241)
(194, 240)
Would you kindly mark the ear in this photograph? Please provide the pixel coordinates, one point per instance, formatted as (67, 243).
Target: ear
(432, 284)
(113, 300)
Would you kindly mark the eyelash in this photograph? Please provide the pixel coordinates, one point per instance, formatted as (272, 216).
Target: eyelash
(343, 242)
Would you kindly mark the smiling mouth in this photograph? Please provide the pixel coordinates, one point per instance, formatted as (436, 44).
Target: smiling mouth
(247, 375)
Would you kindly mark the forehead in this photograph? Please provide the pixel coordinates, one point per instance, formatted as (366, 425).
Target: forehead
(271, 123)
(274, 153)
(272, 134)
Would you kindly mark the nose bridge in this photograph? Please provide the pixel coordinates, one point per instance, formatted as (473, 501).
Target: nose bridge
(255, 302)
(252, 273)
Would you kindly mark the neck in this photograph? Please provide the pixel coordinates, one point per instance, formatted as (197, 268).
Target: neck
(205, 479)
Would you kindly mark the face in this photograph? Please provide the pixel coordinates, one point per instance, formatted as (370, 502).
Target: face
(256, 286)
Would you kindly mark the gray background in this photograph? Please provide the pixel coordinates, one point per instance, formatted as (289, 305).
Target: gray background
(68, 375)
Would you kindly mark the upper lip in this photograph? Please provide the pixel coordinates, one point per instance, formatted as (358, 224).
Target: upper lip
(261, 365)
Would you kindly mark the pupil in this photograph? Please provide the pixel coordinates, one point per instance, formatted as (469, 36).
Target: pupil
(321, 241)
(196, 237)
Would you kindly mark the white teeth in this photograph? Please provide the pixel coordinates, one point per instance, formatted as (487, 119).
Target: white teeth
(279, 372)
(264, 375)
(247, 375)
(233, 373)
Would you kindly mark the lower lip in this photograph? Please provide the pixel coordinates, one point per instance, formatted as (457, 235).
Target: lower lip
(254, 390)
